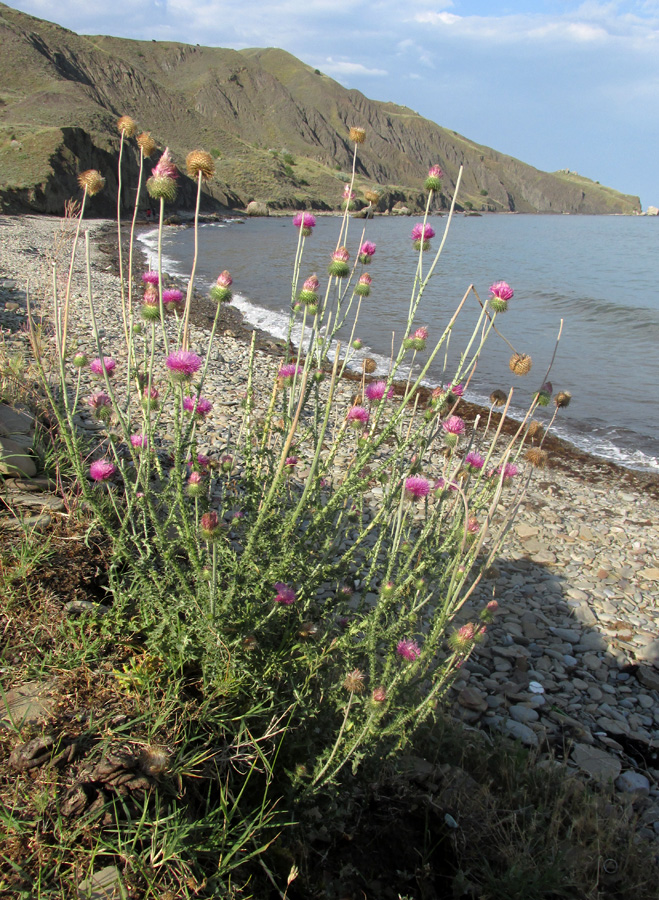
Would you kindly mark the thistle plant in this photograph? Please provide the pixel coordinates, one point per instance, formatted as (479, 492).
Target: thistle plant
(318, 559)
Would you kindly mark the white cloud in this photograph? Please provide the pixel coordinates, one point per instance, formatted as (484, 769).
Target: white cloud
(344, 67)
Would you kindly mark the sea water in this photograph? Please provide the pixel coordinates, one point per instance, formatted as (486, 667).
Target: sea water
(599, 275)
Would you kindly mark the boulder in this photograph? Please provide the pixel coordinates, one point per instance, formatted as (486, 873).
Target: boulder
(257, 208)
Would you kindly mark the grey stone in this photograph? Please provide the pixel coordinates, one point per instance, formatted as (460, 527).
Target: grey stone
(14, 421)
(102, 885)
(521, 732)
(79, 607)
(523, 714)
(28, 704)
(649, 653)
(14, 460)
(599, 764)
(592, 641)
(472, 699)
(631, 782)
(567, 634)
(649, 678)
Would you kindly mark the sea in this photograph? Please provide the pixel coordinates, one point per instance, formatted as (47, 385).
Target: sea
(593, 278)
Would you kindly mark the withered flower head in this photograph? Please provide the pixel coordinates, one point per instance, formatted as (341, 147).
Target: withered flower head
(520, 363)
(358, 135)
(146, 143)
(535, 429)
(92, 181)
(369, 365)
(537, 457)
(371, 196)
(199, 162)
(498, 397)
(562, 399)
(127, 126)
(354, 682)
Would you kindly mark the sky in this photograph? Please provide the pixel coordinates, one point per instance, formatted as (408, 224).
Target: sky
(555, 83)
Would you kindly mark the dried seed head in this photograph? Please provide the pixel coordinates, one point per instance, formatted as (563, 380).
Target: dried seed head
(199, 162)
(146, 143)
(537, 457)
(562, 399)
(92, 181)
(369, 365)
(498, 398)
(371, 196)
(354, 682)
(535, 429)
(127, 126)
(520, 363)
(154, 761)
(358, 135)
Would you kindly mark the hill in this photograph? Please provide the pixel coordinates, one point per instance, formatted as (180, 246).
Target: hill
(278, 127)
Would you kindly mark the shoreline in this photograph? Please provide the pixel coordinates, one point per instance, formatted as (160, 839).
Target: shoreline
(564, 456)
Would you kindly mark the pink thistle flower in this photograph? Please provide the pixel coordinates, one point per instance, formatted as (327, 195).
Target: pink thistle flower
(98, 401)
(442, 485)
(376, 390)
(434, 180)
(311, 284)
(492, 606)
(366, 252)
(347, 193)
(508, 471)
(502, 290)
(209, 526)
(196, 484)
(287, 373)
(339, 266)
(291, 462)
(226, 462)
(165, 167)
(183, 364)
(220, 291)
(150, 277)
(102, 470)
(454, 425)
(408, 649)
(363, 286)
(285, 594)
(150, 398)
(501, 293)
(203, 460)
(172, 298)
(421, 333)
(456, 389)
(200, 407)
(305, 221)
(138, 441)
(475, 460)
(379, 694)
(107, 364)
(422, 233)
(358, 415)
(416, 488)
(473, 526)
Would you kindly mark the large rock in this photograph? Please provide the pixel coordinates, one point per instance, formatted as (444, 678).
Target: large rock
(14, 421)
(15, 460)
(599, 764)
(257, 208)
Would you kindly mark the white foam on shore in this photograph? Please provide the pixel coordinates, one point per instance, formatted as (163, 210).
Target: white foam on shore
(169, 265)
(276, 323)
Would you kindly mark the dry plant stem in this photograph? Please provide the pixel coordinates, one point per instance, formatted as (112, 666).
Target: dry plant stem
(67, 296)
(162, 306)
(343, 231)
(130, 250)
(188, 298)
(119, 247)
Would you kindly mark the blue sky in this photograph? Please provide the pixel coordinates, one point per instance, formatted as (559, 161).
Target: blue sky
(555, 83)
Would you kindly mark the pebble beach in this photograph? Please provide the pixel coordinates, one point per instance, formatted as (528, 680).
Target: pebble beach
(570, 666)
